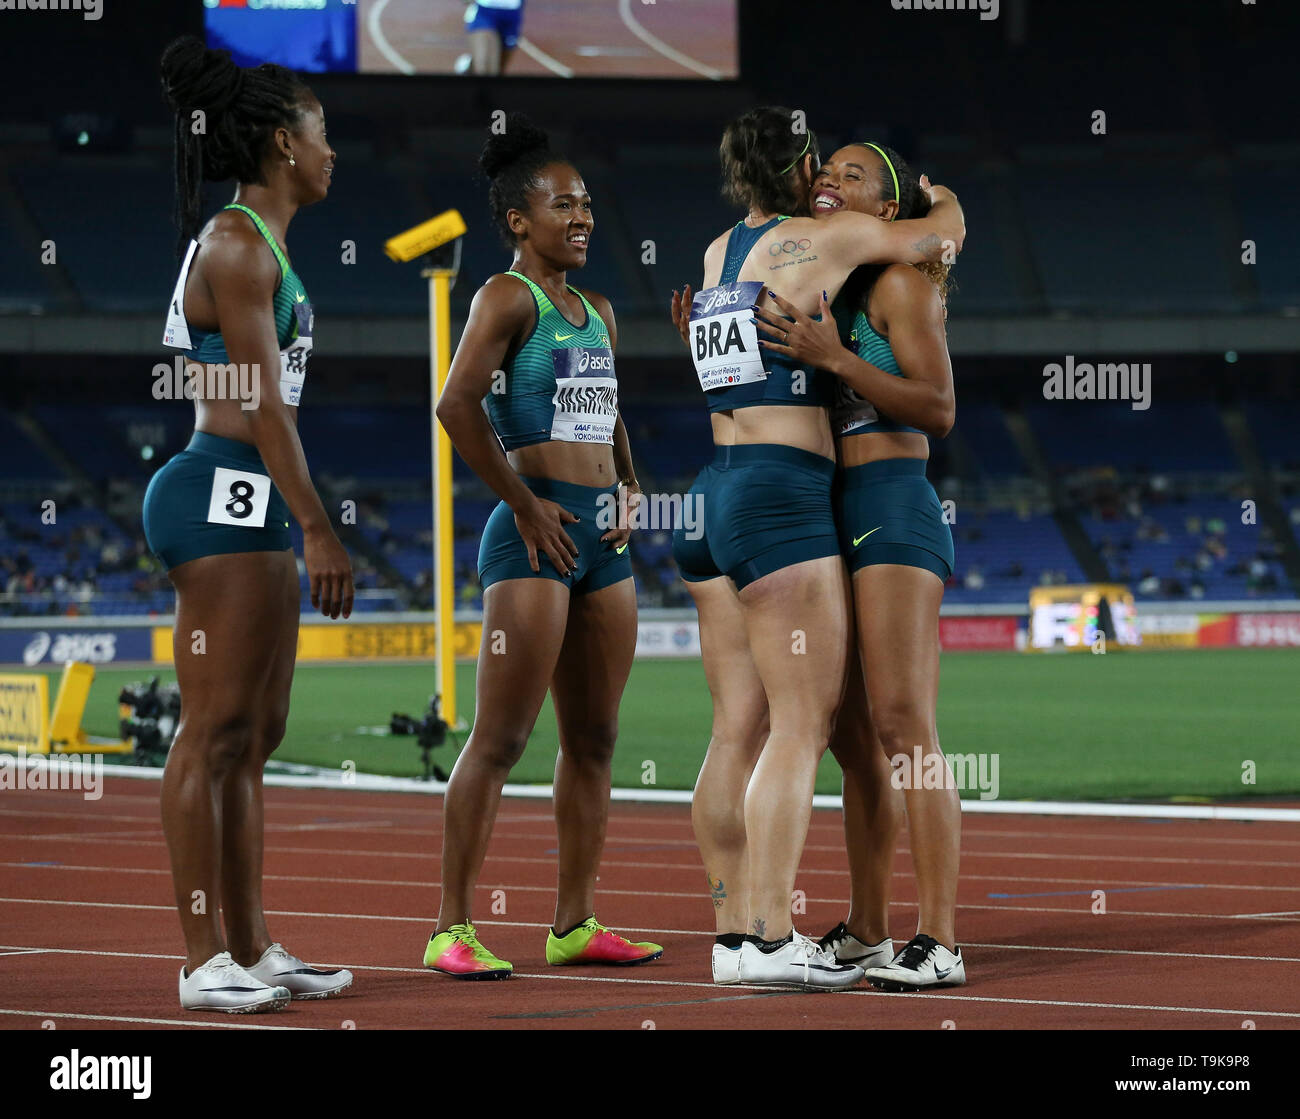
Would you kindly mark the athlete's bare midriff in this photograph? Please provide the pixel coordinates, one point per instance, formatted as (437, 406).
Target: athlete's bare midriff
(792, 425)
(580, 464)
(873, 446)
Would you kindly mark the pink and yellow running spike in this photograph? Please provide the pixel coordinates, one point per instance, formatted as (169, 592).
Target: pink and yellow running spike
(458, 953)
(592, 943)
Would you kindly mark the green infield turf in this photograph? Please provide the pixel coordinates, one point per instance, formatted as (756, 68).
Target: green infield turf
(1157, 724)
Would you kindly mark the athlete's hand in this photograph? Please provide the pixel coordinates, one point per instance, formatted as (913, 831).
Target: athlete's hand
(936, 193)
(682, 313)
(329, 571)
(541, 528)
(816, 344)
(629, 498)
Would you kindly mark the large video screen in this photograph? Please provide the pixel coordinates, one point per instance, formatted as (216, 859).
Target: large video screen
(694, 39)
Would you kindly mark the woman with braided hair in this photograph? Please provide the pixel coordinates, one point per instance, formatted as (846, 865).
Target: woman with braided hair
(217, 514)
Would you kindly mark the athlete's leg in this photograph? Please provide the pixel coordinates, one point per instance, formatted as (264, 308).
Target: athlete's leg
(739, 730)
(523, 627)
(873, 808)
(899, 636)
(485, 52)
(797, 623)
(241, 867)
(586, 688)
(222, 662)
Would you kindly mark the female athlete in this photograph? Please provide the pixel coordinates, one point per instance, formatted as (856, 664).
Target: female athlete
(217, 514)
(559, 606)
(895, 389)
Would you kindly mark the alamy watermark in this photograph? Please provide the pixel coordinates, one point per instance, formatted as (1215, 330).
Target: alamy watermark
(89, 9)
(952, 771)
(83, 773)
(190, 380)
(1106, 380)
(668, 511)
(988, 9)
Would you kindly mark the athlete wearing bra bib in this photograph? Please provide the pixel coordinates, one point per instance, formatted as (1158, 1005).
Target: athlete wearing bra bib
(531, 404)
(896, 381)
(768, 506)
(774, 634)
(217, 514)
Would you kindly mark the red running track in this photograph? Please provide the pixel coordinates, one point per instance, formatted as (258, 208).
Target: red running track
(1201, 928)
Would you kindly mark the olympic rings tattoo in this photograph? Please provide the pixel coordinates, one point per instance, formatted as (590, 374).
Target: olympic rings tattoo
(800, 246)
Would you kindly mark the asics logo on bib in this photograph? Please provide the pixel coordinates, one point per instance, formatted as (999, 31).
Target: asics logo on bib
(720, 297)
(724, 340)
(583, 362)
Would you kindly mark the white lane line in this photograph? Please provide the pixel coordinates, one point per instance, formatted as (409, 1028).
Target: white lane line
(1081, 911)
(538, 55)
(946, 995)
(385, 48)
(148, 1021)
(14, 949)
(20, 951)
(1283, 913)
(368, 782)
(429, 883)
(655, 43)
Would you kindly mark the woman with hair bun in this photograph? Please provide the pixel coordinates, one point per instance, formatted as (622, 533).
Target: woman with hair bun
(531, 404)
(217, 514)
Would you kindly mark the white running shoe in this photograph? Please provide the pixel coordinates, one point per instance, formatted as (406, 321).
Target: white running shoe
(726, 965)
(799, 962)
(278, 968)
(922, 964)
(221, 984)
(843, 947)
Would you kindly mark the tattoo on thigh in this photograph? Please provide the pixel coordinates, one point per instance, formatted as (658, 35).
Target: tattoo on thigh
(716, 891)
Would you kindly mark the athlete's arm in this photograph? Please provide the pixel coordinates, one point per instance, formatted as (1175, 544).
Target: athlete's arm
(502, 311)
(243, 277)
(913, 312)
(863, 239)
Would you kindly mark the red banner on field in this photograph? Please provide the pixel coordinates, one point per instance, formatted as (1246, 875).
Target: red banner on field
(977, 633)
(1253, 630)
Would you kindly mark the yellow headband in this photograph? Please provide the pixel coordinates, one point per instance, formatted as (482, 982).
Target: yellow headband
(807, 141)
(892, 173)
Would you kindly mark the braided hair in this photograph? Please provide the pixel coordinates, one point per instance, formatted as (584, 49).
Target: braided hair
(761, 156)
(241, 110)
(513, 163)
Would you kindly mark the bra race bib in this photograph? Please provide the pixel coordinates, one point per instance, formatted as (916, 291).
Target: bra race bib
(586, 396)
(293, 358)
(724, 343)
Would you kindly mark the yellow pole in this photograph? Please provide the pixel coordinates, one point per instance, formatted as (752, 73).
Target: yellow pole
(443, 551)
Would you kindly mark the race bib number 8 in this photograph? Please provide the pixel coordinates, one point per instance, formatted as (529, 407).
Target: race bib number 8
(238, 498)
(724, 343)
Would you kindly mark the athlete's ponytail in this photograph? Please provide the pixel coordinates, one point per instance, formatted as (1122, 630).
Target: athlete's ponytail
(762, 156)
(513, 162)
(899, 181)
(240, 111)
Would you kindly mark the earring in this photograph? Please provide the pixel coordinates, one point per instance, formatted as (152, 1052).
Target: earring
(291, 162)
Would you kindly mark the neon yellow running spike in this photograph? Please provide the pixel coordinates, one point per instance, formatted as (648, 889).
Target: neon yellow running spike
(592, 943)
(457, 952)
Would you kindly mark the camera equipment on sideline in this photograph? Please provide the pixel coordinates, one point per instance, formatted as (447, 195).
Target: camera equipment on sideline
(150, 714)
(431, 732)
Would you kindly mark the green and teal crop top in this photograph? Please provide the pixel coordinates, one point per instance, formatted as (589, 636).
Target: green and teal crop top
(733, 370)
(560, 384)
(294, 320)
(851, 415)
